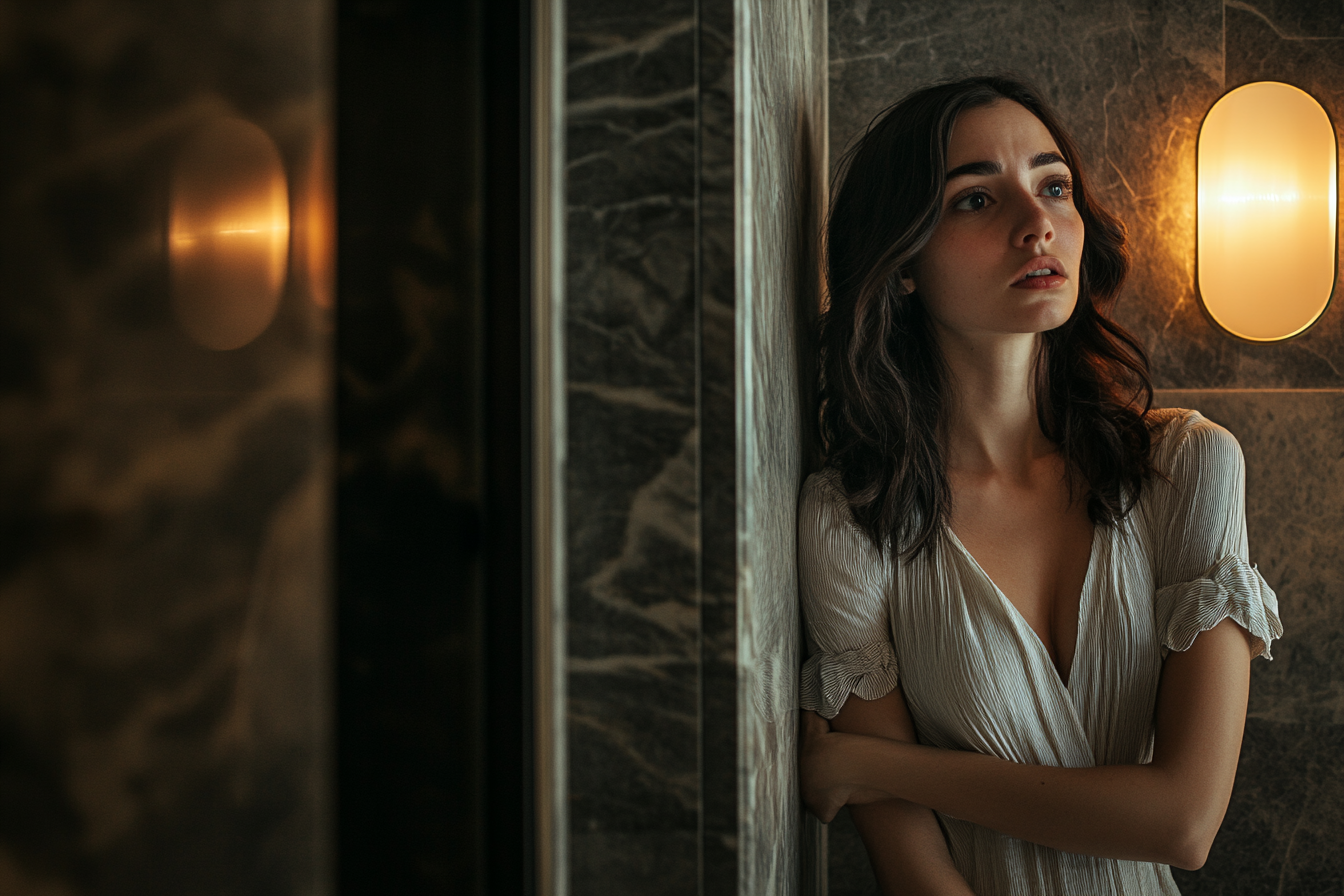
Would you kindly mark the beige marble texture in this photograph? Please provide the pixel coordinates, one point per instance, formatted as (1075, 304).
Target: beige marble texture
(781, 140)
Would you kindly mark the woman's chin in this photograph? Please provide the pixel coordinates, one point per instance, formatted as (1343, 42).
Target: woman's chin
(1045, 313)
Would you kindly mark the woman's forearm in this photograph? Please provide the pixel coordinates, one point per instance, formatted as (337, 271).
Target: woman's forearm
(1167, 811)
(907, 850)
(904, 841)
(1125, 812)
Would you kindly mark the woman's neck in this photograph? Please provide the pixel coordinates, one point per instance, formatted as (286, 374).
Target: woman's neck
(993, 428)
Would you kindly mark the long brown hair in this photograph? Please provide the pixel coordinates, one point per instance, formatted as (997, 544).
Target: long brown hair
(883, 381)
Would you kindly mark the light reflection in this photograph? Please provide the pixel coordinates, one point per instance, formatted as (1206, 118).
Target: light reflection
(315, 225)
(228, 234)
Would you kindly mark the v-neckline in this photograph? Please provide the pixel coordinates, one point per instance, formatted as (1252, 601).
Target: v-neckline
(1021, 620)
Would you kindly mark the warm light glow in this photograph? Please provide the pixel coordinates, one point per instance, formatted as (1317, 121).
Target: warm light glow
(1267, 200)
(228, 234)
(315, 225)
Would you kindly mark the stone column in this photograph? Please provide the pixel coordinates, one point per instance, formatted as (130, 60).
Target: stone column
(695, 144)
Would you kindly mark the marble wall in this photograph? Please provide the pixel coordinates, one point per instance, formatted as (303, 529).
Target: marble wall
(163, 507)
(682, 380)
(631, 498)
(1133, 80)
(781, 164)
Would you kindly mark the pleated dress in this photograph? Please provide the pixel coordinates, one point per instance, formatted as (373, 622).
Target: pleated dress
(976, 676)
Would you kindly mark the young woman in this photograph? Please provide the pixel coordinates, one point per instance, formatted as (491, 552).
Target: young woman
(1029, 609)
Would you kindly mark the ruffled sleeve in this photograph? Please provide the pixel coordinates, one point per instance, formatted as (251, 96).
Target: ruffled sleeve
(1203, 571)
(1230, 589)
(844, 582)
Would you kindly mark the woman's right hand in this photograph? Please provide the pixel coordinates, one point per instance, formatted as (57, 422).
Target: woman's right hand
(823, 767)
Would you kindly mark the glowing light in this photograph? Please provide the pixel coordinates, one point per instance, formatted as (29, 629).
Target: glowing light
(315, 225)
(1267, 211)
(228, 234)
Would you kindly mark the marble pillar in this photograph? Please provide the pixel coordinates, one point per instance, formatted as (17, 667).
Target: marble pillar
(631, 497)
(781, 160)
(1133, 81)
(163, 506)
(694, 140)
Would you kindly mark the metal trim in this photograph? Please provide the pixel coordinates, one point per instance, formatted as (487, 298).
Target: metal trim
(548, 446)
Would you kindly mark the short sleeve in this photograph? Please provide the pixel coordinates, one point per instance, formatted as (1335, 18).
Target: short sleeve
(1204, 574)
(843, 580)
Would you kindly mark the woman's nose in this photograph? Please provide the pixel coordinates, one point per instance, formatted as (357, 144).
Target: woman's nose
(1033, 224)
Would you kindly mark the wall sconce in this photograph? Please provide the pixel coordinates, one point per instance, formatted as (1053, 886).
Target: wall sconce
(1266, 246)
(228, 234)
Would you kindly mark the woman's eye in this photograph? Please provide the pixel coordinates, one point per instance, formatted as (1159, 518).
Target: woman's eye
(1057, 190)
(973, 202)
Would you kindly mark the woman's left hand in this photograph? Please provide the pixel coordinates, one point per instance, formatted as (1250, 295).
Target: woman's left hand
(826, 769)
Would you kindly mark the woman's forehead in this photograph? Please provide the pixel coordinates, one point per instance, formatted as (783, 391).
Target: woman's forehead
(1004, 132)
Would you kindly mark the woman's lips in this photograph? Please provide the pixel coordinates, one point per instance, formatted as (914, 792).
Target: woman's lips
(1047, 281)
(1050, 280)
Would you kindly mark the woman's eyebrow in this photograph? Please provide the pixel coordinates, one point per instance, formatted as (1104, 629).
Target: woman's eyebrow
(1040, 160)
(980, 168)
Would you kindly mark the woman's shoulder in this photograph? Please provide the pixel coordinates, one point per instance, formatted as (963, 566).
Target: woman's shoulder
(825, 483)
(824, 495)
(1186, 439)
(824, 503)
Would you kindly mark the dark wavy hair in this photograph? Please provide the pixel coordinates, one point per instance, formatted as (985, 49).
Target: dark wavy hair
(883, 381)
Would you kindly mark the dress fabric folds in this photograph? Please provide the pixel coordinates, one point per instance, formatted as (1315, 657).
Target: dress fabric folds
(976, 676)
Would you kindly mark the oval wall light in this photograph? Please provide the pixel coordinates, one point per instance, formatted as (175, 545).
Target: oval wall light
(1266, 246)
(228, 234)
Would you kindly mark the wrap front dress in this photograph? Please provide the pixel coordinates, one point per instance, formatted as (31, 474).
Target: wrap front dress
(976, 676)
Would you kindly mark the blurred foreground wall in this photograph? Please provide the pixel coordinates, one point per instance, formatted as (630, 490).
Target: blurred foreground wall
(163, 505)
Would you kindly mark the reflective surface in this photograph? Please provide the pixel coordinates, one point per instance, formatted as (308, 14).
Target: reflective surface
(228, 234)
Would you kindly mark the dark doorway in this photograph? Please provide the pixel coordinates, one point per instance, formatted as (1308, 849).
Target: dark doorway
(433, 590)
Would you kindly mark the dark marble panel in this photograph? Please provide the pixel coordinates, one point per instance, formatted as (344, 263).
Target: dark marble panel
(647, 863)
(718, 455)
(163, 593)
(632, 492)
(1291, 19)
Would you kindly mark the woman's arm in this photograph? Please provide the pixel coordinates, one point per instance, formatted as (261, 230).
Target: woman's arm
(1167, 811)
(903, 839)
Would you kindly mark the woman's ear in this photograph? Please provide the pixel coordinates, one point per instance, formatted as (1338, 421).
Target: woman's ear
(908, 284)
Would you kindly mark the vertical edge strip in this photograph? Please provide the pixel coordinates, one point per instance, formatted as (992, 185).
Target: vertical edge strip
(697, 267)
(548, 446)
(742, 400)
(817, 871)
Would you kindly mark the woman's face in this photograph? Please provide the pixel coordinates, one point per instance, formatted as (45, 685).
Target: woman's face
(1007, 216)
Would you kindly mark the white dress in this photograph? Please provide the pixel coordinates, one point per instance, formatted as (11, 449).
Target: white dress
(977, 677)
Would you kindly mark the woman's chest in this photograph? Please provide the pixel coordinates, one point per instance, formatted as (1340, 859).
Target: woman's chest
(978, 676)
(1035, 543)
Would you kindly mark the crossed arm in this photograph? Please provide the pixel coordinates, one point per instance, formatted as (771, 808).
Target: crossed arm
(1167, 811)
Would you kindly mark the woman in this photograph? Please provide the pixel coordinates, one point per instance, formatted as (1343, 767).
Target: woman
(1027, 595)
